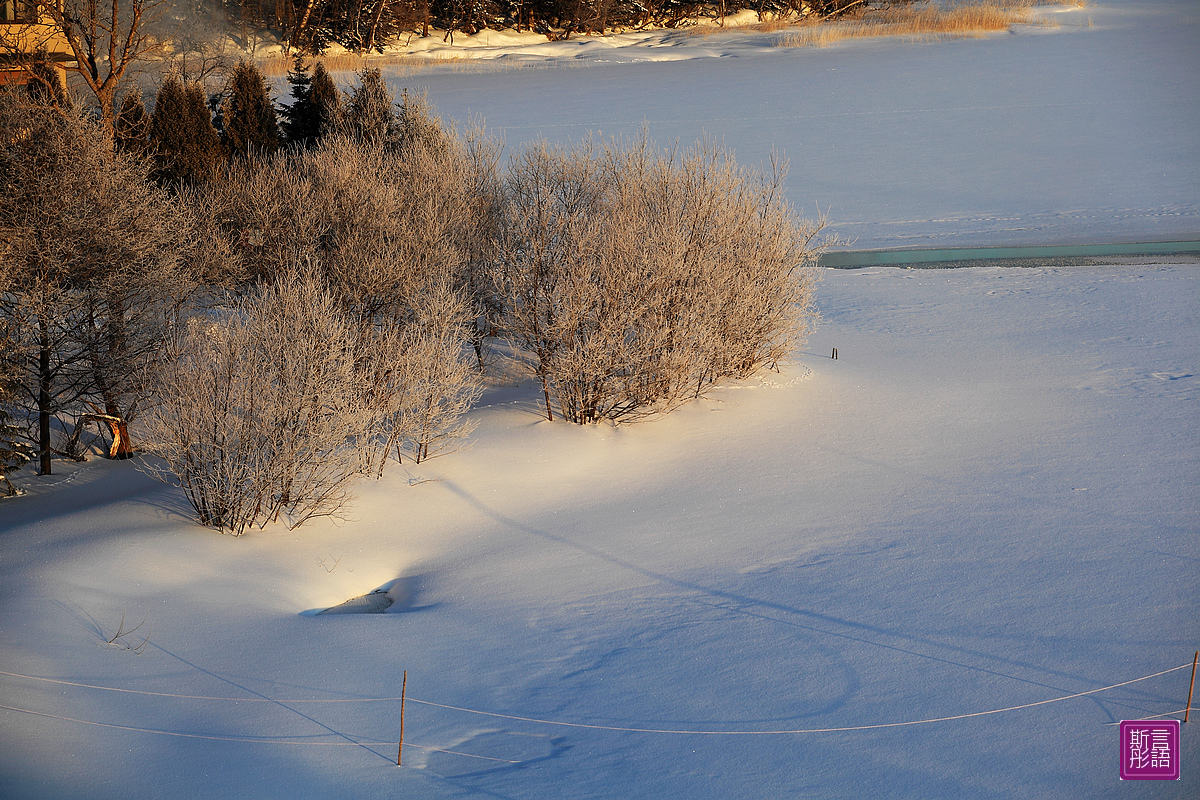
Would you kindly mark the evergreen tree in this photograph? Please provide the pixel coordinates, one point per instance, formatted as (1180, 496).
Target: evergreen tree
(14, 452)
(46, 86)
(250, 125)
(316, 107)
(208, 140)
(131, 129)
(416, 126)
(370, 115)
(188, 147)
(326, 101)
(299, 120)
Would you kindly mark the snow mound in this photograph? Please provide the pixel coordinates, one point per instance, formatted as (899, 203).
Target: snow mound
(393, 597)
(376, 602)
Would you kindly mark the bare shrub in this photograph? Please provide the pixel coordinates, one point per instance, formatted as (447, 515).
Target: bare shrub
(454, 183)
(390, 230)
(260, 410)
(381, 218)
(550, 230)
(123, 638)
(418, 381)
(636, 278)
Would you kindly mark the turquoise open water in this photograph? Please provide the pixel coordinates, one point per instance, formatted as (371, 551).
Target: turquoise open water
(963, 256)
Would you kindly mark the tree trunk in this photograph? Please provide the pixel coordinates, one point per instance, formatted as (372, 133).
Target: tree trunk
(121, 447)
(546, 394)
(116, 342)
(308, 9)
(375, 24)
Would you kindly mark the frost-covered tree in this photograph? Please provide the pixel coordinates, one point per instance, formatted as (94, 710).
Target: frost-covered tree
(107, 38)
(15, 450)
(94, 262)
(636, 278)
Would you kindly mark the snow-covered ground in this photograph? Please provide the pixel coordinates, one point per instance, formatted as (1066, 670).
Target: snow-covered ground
(989, 500)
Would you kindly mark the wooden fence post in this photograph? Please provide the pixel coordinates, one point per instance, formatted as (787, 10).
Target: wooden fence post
(403, 691)
(1188, 708)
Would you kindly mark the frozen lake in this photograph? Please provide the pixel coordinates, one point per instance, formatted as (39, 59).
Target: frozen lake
(1056, 135)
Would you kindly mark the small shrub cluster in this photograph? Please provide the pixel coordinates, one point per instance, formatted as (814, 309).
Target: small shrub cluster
(360, 246)
(637, 278)
(273, 406)
(284, 313)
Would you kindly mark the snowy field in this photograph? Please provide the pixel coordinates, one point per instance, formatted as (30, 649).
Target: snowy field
(988, 501)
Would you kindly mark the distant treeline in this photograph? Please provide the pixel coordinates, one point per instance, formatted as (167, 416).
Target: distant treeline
(313, 25)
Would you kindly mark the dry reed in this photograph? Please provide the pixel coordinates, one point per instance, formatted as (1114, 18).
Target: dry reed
(919, 22)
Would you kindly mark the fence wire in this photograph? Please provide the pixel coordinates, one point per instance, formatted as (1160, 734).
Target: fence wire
(364, 742)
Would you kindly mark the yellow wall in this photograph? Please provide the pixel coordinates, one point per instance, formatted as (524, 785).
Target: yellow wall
(18, 40)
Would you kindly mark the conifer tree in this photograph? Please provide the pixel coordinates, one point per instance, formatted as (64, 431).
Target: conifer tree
(188, 147)
(299, 123)
(46, 86)
(326, 101)
(370, 115)
(249, 116)
(15, 451)
(316, 107)
(132, 126)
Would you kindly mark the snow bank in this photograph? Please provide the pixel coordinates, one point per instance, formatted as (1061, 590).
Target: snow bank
(987, 501)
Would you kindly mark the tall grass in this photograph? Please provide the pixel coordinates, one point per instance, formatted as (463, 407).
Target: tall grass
(968, 19)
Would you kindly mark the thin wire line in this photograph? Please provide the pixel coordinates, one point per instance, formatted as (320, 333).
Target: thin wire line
(455, 752)
(246, 739)
(196, 696)
(1155, 716)
(806, 730)
(598, 727)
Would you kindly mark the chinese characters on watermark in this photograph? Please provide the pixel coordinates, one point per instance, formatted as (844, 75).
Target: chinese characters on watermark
(1150, 750)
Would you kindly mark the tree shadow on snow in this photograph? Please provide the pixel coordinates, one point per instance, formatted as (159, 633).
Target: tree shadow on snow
(803, 618)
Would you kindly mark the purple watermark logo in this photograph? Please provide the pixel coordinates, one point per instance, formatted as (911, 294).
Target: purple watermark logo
(1150, 750)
